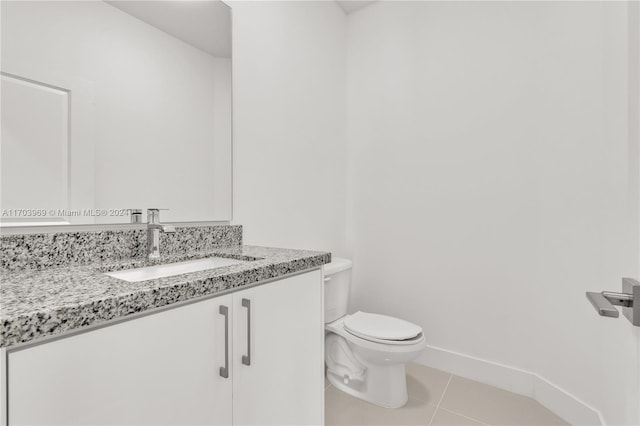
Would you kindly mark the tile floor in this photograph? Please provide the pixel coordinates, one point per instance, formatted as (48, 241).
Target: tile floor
(440, 399)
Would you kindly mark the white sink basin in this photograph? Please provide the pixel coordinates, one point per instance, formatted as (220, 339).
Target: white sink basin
(170, 269)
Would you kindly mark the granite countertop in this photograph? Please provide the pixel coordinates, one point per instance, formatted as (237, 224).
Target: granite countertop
(51, 301)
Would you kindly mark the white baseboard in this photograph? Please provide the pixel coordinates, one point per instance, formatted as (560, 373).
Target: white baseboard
(556, 399)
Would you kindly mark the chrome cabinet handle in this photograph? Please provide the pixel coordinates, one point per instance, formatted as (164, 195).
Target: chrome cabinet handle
(246, 359)
(224, 371)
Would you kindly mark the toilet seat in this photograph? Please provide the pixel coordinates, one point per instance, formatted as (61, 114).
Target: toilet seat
(382, 329)
(386, 346)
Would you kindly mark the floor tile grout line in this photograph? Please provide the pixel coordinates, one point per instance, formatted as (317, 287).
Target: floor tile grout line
(440, 400)
(463, 415)
(436, 406)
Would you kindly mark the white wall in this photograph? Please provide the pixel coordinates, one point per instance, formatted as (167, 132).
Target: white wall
(489, 186)
(150, 115)
(289, 123)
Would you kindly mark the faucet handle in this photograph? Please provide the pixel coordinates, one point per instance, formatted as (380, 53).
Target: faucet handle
(153, 215)
(135, 215)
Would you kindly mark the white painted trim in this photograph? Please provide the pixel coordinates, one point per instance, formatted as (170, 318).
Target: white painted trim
(515, 380)
(13, 230)
(568, 406)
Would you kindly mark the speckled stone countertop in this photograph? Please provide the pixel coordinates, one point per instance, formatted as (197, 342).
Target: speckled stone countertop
(44, 302)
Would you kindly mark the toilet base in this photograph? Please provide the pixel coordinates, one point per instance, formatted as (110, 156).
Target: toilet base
(383, 385)
(373, 371)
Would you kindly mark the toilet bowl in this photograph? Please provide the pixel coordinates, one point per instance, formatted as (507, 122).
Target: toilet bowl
(366, 353)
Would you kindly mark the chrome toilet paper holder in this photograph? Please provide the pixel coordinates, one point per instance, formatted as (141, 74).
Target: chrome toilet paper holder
(605, 302)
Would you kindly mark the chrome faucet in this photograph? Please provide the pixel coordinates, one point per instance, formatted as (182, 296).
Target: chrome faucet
(153, 233)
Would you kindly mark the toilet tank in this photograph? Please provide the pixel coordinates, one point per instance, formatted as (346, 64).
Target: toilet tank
(337, 280)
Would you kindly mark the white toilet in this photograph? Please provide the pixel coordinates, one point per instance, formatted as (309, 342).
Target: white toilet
(366, 353)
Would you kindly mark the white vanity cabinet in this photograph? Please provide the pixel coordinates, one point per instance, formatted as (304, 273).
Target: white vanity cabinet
(283, 385)
(165, 368)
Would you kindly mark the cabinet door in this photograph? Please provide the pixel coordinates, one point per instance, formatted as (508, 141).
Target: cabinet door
(283, 381)
(159, 369)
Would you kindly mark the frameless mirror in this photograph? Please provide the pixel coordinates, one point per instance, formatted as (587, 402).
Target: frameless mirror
(109, 106)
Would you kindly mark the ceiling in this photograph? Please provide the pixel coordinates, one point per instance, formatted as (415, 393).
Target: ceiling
(350, 6)
(203, 24)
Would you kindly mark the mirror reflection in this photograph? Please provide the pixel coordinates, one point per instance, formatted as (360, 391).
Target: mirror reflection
(112, 106)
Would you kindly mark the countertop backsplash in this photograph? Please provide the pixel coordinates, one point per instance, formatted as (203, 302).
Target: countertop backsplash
(40, 251)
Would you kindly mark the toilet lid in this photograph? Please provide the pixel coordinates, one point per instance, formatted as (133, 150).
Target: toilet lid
(380, 327)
